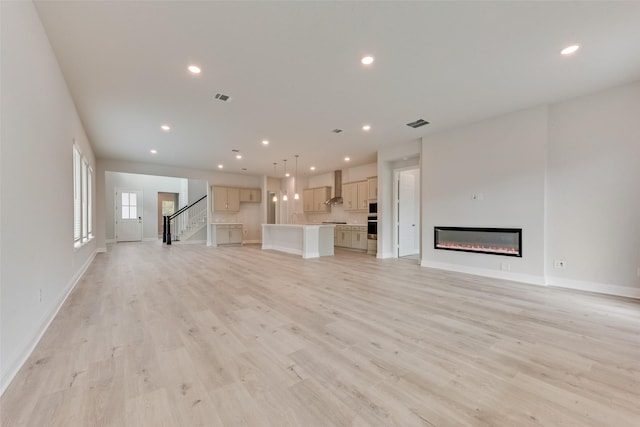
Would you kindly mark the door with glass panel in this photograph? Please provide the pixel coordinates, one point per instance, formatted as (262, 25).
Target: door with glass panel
(128, 215)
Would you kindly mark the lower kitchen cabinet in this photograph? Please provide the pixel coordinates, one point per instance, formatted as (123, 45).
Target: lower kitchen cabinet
(228, 234)
(351, 237)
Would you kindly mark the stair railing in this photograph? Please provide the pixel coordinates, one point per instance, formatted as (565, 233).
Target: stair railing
(184, 219)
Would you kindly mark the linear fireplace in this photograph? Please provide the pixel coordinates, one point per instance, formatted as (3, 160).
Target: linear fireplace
(495, 241)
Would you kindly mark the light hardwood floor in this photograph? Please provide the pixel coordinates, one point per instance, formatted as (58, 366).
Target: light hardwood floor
(194, 336)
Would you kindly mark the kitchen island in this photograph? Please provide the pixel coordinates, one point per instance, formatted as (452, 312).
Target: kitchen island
(309, 241)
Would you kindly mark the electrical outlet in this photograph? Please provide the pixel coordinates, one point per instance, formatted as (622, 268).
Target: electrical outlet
(561, 264)
(505, 266)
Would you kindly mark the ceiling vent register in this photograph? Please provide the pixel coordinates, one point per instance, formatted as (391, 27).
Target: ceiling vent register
(222, 97)
(418, 123)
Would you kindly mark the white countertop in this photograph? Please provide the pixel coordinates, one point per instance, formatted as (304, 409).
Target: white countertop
(298, 225)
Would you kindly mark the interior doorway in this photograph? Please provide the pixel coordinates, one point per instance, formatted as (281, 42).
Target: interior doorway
(407, 212)
(167, 205)
(271, 207)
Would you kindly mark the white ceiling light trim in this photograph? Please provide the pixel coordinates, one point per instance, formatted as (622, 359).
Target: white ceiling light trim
(570, 49)
(194, 69)
(367, 60)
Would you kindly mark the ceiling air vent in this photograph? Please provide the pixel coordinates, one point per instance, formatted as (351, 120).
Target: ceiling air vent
(222, 97)
(418, 123)
(336, 130)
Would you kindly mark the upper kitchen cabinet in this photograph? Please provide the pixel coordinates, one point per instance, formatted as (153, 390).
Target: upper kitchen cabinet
(226, 199)
(313, 199)
(355, 196)
(250, 195)
(373, 187)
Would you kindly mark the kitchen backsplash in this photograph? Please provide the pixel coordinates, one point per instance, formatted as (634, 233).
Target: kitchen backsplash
(336, 214)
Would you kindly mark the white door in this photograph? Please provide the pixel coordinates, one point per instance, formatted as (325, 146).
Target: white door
(408, 213)
(128, 215)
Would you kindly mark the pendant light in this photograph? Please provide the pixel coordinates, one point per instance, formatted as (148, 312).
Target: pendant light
(284, 197)
(275, 198)
(296, 196)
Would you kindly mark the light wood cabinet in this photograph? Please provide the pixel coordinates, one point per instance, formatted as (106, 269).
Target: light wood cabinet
(226, 199)
(355, 196)
(359, 239)
(351, 237)
(363, 196)
(228, 234)
(307, 200)
(250, 195)
(343, 237)
(313, 199)
(373, 187)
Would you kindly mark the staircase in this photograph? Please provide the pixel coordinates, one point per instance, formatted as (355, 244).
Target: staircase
(186, 222)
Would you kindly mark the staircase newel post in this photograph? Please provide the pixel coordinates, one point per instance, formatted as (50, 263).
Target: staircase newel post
(168, 231)
(164, 229)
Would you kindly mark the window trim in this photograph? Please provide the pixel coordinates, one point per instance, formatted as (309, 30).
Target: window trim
(83, 200)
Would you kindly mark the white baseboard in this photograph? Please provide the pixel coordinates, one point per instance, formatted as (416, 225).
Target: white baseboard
(10, 374)
(110, 241)
(495, 274)
(601, 288)
(251, 242)
(151, 239)
(101, 250)
(383, 255)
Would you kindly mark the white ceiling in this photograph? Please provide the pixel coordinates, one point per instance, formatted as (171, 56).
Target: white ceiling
(293, 70)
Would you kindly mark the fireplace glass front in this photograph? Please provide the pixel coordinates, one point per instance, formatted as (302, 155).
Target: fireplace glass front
(495, 241)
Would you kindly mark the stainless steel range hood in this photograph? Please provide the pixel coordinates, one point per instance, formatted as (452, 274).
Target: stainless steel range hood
(337, 184)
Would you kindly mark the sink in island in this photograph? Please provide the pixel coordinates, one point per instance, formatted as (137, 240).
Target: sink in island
(310, 241)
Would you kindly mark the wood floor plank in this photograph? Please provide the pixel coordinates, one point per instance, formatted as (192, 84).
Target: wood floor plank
(187, 335)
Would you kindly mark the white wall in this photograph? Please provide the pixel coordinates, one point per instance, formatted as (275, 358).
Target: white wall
(39, 124)
(150, 186)
(504, 160)
(567, 173)
(593, 197)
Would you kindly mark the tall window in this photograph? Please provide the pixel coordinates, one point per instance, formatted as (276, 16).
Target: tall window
(82, 199)
(85, 204)
(90, 203)
(77, 197)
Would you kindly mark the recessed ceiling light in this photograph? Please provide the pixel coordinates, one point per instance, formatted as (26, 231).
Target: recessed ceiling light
(570, 49)
(220, 166)
(165, 128)
(238, 156)
(287, 174)
(366, 127)
(194, 69)
(265, 142)
(152, 151)
(312, 168)
(347, 159)
(367, 60)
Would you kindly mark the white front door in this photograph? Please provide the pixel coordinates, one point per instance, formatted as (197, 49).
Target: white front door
(128, 215)
(408, 213)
